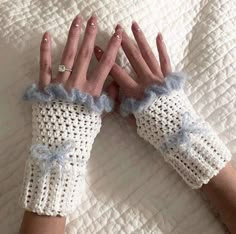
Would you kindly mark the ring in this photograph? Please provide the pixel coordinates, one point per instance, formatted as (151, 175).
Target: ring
(62, 68)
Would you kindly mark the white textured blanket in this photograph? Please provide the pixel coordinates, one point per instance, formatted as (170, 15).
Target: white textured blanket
(130, 188)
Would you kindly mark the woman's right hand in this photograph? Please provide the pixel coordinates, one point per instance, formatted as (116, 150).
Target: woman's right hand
(164, 116)
(143, 61)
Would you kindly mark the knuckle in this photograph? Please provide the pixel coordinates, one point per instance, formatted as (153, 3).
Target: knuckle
(69, 55)
(85, 52)
(45, 66)
(116, 70)
(108, 60)
(165, 60)
(147, 53)
(92, 89)
(135, 55)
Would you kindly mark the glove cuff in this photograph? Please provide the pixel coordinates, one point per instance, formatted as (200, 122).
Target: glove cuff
(173, 82)
(54, 92)
(62, 137)
(166, 119)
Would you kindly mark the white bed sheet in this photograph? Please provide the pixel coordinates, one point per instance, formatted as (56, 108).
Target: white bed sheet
(130, 189)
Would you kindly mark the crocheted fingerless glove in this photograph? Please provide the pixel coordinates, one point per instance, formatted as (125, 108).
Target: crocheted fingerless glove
(166, 119)
(64, 128)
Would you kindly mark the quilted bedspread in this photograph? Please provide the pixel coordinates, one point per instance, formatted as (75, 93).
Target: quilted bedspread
(130, 189)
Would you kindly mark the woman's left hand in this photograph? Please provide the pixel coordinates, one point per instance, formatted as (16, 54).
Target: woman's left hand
(79, 60)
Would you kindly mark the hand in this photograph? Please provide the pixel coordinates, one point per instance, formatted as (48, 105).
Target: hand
(79, 60)
(142, 60)
(65, 121)
(164, 116)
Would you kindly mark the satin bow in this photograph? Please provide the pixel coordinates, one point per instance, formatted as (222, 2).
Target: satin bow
(48, 157)
(183, 136)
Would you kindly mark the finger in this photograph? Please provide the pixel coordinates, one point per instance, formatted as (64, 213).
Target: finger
(101, 71)
(70, 49)
(126, 83)
(132, 121)
(45, 73)
(135, 58)
(85, 53)
(113, 91)
(145, 50)
(163, 55)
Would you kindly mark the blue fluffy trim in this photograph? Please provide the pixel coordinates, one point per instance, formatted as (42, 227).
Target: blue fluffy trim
(173, 81)
(57, 92)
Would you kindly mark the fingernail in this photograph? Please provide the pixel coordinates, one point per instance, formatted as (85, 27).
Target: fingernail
(118, 33)
(117, 36)
(118, 26)
(97, 49)
(92, 21)
(77, 21)
(160, 36)
(135, 26)
(45, 37)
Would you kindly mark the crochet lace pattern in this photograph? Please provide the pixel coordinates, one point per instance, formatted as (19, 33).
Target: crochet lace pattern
(62, 137)
(166, 119)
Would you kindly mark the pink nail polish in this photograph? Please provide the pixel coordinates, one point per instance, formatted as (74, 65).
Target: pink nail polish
(136, 27)
(116, 35)
(160, 36)
(118, 26)
(45, 37)
(77, 21)
(97, 50)
(92, 21)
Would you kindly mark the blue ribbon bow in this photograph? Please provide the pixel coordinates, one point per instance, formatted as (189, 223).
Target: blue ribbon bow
(48, 157)
(183, 136)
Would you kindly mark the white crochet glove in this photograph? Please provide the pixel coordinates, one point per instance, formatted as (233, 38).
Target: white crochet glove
(64, 128)
(166, 119)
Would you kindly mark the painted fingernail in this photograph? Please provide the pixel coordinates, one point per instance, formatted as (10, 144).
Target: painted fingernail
(92, 21)
(160, 36)
(97, 49)
(118, 26)
(77, 21)
(136, 27)
(45, 37)
(118, 33)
